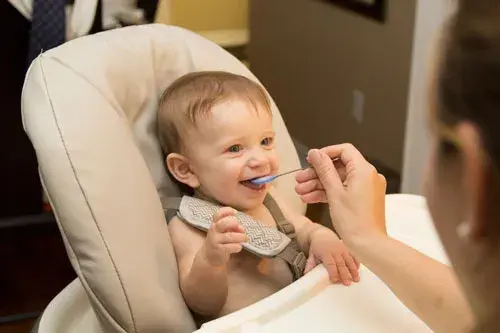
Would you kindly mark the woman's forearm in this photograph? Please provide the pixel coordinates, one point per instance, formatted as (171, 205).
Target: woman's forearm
(205, 287)
(427, 287)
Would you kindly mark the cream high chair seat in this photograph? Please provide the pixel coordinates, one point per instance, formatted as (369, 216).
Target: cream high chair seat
(89, 109)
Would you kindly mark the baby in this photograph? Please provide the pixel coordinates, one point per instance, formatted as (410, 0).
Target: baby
(217, 130)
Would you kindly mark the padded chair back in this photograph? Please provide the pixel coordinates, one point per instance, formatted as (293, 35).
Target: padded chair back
(89, 109)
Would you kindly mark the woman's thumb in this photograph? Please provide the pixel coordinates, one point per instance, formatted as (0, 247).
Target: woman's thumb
(325, 170)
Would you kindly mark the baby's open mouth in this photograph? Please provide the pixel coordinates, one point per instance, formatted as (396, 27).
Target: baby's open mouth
(249, 184)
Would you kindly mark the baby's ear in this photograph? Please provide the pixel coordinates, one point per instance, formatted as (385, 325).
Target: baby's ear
(179, 167)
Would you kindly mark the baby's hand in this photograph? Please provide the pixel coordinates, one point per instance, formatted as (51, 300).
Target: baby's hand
(223, 238)
(328, 249)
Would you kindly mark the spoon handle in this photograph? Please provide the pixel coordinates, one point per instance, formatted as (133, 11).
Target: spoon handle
(289, 172)
(267, 179)
(300, 169)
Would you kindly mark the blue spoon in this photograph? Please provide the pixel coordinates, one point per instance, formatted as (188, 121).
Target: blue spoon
(268, 179)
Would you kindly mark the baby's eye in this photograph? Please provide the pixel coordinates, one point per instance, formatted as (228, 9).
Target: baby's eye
(267, 141)
(235, 148)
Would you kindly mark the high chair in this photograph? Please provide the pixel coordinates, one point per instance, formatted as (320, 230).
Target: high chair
(89, 110)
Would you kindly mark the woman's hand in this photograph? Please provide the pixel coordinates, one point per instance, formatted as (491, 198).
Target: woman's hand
(352, 187)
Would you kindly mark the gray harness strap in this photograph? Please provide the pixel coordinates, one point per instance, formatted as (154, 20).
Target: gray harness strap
(291, 254)
(171, 207)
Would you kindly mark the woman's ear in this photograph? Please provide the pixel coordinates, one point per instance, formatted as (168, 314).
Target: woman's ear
(179, 167)
(475, 179)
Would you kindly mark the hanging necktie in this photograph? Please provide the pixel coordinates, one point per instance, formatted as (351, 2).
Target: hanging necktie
(48, 26)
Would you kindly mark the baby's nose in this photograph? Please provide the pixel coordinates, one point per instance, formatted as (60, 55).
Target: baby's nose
(258, 159)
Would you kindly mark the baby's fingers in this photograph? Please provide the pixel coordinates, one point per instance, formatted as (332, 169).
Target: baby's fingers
(310, 263)
(240, 228)
(223, 212)
(352, 266)
(345, 274)
(233, 238)
(228, 223)
(331, 268)
(233, 248)
(356, 261)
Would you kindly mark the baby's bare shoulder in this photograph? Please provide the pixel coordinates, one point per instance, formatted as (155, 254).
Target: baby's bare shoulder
(185, 238)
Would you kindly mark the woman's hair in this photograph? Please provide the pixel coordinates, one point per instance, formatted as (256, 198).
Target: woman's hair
(469, 78)
(468, 89)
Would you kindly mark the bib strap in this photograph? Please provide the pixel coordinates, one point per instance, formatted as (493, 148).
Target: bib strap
(291, 254)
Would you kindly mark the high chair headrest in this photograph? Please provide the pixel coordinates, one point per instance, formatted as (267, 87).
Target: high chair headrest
(89, 108)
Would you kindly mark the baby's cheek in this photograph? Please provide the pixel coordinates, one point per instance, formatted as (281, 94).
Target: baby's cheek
(233, 169)
(275, 163)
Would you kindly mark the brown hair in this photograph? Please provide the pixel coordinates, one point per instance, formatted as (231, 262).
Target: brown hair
(469, 80)
(469, 90)
(193, 95)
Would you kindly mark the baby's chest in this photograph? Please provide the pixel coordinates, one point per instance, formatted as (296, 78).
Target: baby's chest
(253, 266)
(250, 266)
(262, 215)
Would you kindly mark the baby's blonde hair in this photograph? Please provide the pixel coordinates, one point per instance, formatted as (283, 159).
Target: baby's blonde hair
(193, 96)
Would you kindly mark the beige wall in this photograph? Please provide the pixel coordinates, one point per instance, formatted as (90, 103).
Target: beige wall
(431, 15)
(311, 55)
(204, 15)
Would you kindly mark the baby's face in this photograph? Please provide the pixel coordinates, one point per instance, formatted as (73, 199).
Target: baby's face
(234, 144)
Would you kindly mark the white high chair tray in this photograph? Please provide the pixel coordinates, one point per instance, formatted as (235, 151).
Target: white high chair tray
(312, 304)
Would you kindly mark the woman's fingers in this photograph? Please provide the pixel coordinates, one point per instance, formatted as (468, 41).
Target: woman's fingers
(314, 197)
(327, 174)
(382, 181)
(310, 174)
(352, 187)
(309, 186)
(346, 152)
(306, 175)
(340, 167)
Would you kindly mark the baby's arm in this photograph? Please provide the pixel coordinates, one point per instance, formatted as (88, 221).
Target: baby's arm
(202, 260)
(304, 227)
(321, 245)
